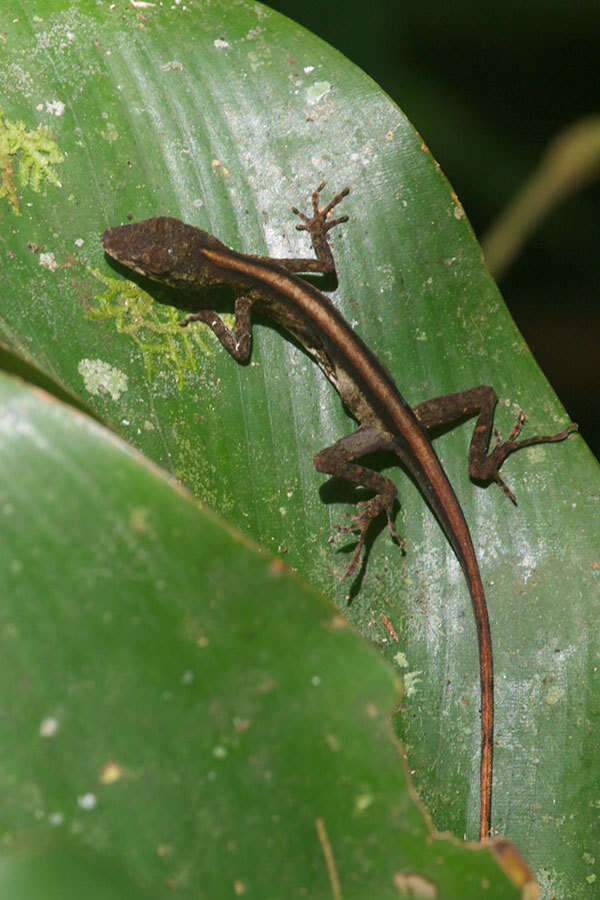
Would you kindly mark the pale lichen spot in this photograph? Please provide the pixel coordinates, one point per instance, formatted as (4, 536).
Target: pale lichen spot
(101, 378)
(411, 680)
(139, 520)
(172, 65)
(362, 802)
(317, 91)
(48, 261)
(413, 885)
(536, 454)
(109, 133)
(332, 742)
(554, 695)
(55, 107)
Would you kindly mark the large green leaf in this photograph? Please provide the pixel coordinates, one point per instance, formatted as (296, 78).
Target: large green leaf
(225, 115)
(180, 702)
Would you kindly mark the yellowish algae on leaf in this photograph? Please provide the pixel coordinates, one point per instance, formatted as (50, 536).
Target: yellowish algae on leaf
(153, 327)
(33, 153)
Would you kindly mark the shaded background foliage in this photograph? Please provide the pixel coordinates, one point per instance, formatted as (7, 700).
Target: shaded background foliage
(489, 87)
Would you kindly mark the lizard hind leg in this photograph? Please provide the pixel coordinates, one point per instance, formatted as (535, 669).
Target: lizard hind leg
(367, 511)
(484, 464)
(337, 460)
(503, 449)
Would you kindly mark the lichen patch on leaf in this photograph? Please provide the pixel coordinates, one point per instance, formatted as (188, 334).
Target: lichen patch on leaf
(154, 328)
(27, 158)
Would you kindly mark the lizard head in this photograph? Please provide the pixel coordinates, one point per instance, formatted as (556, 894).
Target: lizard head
(163, 249)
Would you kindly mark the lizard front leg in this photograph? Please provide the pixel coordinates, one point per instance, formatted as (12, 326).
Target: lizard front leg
(237, 341)
(318, 226)
(481, 401)
(338, 460)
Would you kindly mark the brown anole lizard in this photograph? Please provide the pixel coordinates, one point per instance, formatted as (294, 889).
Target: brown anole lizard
(184, 257)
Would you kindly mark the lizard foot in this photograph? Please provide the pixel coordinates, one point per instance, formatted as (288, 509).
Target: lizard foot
(360, 521)
(503, 449)
(318, 223)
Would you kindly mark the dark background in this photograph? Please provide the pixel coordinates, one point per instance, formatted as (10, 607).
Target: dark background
(488, 87)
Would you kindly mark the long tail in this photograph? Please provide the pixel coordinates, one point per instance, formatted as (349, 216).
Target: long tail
(486, 674)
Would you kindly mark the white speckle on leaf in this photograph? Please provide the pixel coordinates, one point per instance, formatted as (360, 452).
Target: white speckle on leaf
(220, 44)
(401, 660)
(48, 261)
(87, 801)
(48, 727)
(100, 377)
(55, 107)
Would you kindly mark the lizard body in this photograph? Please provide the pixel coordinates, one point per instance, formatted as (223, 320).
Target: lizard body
(184, 257)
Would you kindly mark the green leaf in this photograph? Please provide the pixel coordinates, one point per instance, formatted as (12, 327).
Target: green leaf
(179, 701)
(226, 115)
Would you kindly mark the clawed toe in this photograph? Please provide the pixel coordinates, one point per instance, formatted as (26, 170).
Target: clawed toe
(318, 222)
(361, 520)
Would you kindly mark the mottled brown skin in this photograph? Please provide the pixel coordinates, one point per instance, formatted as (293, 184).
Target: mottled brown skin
(185, 257)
